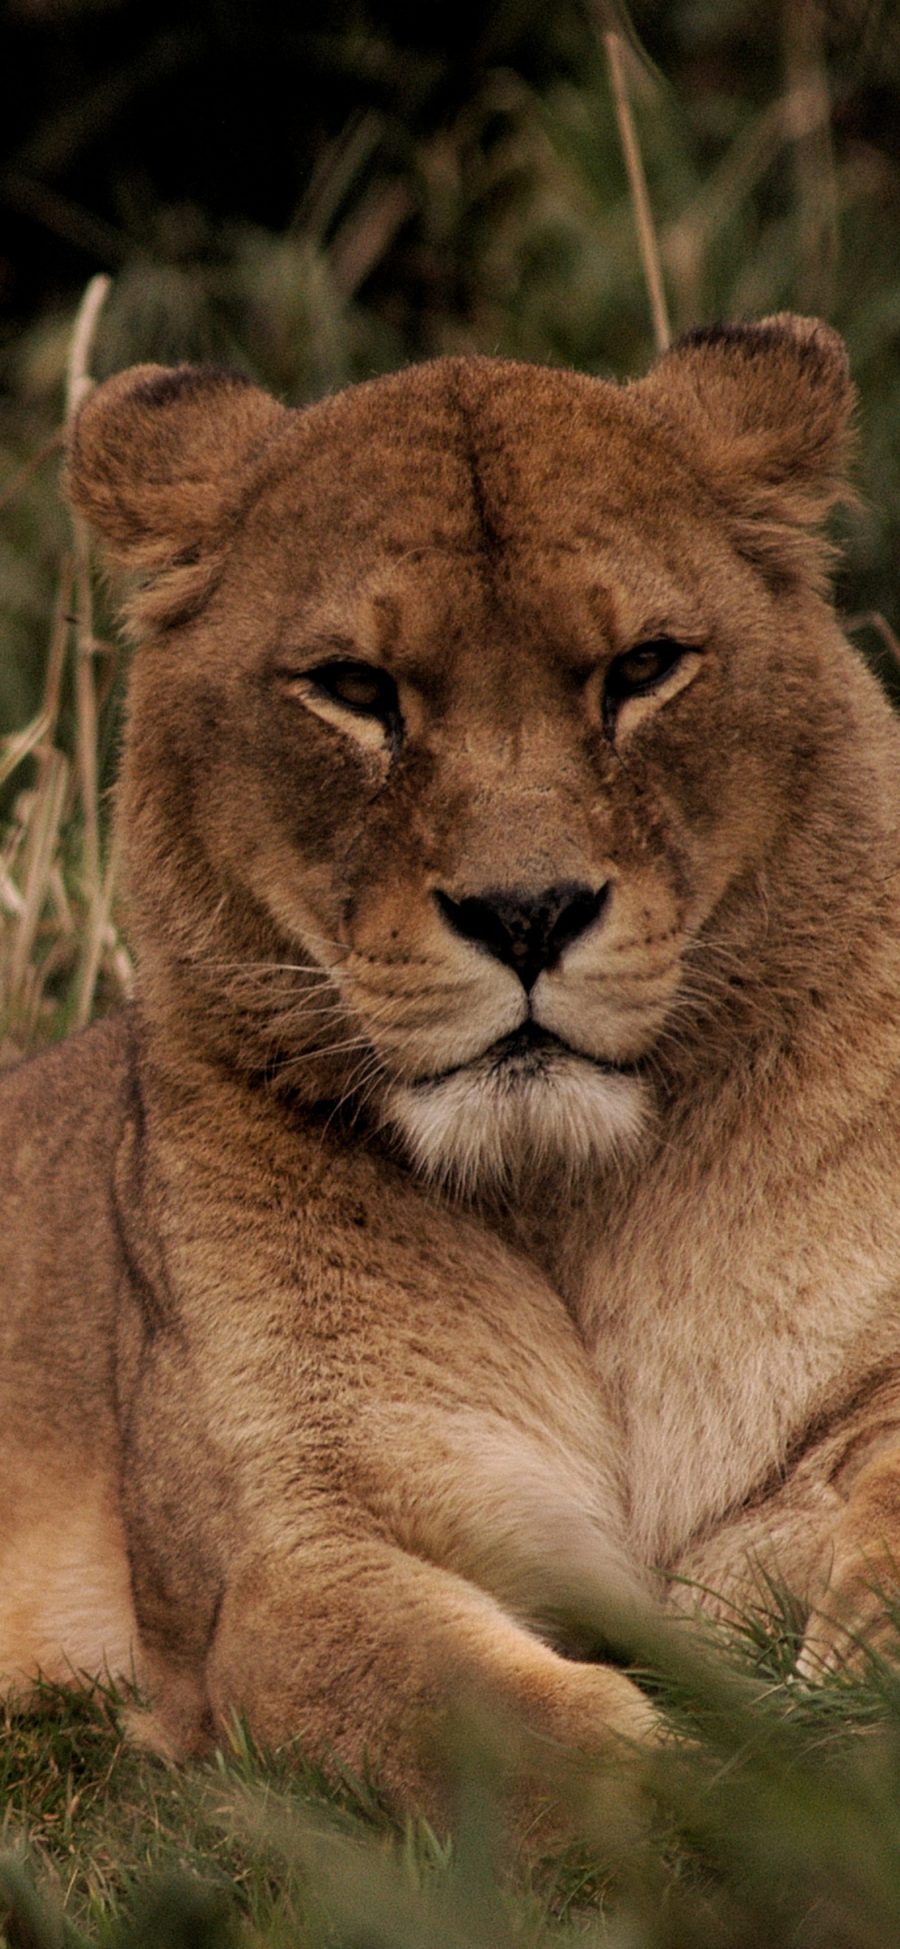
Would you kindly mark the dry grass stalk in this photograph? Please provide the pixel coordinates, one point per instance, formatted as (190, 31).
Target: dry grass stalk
(637, 181)
(31, 849)
(874, 620)
(808, 117)
(77, 386)
(20, 744)
(41, 815)
(99, 938)
(57, 927)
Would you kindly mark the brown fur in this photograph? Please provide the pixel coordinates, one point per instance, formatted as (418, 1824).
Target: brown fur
(402, 1355)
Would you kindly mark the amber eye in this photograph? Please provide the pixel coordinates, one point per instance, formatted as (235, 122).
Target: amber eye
(360, 687)
(638, 671)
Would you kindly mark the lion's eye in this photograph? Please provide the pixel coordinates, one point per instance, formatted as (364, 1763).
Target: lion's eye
(643, 667)
(360, 687)
(640, 670)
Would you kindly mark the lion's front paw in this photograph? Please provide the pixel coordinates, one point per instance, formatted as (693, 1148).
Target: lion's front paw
(856, 1617)
(855, 1597)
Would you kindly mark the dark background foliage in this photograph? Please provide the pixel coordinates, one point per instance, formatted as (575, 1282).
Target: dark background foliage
(327, 189)
(320, 191)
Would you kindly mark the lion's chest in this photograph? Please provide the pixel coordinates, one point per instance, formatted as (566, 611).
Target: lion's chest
(720, 1336)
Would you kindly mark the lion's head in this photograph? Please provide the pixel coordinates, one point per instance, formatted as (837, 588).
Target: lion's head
(465, 701)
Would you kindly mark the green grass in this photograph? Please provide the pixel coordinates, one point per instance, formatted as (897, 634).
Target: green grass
(771, 1816)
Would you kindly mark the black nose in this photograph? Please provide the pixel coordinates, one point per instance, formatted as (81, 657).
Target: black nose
(526, 931)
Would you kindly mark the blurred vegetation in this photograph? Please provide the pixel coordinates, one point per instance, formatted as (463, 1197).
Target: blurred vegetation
(774, 1825)
(319, 193)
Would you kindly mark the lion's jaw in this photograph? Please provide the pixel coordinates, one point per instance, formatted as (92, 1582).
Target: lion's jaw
(489, 1086)
(490, 1083)
(527, 1104)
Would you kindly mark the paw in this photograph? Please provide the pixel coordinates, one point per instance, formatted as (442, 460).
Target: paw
(855, 1621)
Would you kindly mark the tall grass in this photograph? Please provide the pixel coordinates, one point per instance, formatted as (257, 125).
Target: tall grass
(771, 1818)
(59, 942)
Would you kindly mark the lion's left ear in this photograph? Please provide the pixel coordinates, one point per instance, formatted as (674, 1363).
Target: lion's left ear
(159, 462)
(769, 406)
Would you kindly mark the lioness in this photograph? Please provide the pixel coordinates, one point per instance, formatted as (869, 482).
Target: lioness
(491, 1199)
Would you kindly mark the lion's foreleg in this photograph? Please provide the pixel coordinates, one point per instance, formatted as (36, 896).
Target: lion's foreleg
(374, 1656)
(856, 1597)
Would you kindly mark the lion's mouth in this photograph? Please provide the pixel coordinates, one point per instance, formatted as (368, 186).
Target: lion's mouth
(528, 1101)
(527, 1054)
(527, 1051)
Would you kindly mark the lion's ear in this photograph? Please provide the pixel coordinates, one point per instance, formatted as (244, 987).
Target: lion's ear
(158, 464)
(770, 408)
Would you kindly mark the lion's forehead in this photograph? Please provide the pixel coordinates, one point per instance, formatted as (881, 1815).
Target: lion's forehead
(436, 605)
(466, 460)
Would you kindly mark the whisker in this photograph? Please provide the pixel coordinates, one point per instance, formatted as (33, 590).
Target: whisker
(326, 1049)
(359, 1090)
(615, 977)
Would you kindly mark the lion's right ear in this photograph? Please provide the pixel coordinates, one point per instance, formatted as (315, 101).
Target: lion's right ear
(768, 409)
(158, 464)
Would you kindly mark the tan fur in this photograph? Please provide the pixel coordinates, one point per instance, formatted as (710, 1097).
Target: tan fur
(406, 1351)
(65, 1607)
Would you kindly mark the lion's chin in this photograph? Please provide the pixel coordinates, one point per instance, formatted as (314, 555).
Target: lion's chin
(491, 1124)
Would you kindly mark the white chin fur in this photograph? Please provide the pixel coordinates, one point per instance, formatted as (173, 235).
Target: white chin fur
(481, 1129)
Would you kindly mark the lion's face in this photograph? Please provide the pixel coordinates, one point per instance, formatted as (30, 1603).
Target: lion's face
(481, 797)
(462, 740)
